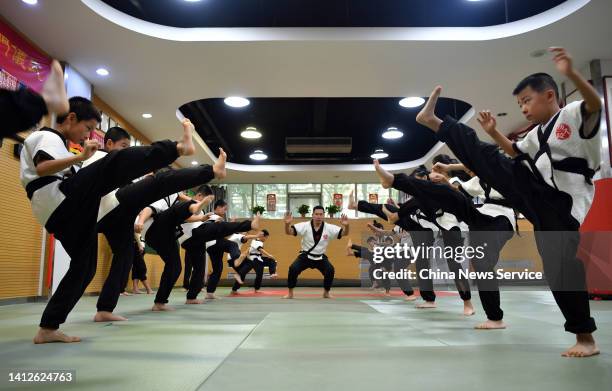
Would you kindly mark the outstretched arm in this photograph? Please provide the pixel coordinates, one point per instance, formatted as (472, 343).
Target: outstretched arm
(489, 124)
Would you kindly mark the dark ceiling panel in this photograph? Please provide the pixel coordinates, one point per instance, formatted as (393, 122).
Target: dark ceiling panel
(362, 119)
(332, 13)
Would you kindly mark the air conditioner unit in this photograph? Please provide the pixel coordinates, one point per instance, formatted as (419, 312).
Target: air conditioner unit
(323, 145)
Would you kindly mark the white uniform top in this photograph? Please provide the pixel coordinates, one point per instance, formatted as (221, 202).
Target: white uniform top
(44, 144)
(255, 250)
(189, 227)
(305, 230)
(109, 201)
(236, 238)
(474, 188)
(572, 137)
(158, 207)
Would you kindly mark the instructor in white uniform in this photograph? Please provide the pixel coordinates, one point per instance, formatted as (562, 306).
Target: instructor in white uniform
(316, 235)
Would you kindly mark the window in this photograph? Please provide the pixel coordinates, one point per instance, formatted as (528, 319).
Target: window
(365, 189)
(342, 188)
(305, 188)
(240, 199)
(261, 193)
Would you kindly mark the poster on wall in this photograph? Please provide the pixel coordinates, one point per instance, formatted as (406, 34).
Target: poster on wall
(373, 198)
(20, 63)
(271, 202)
(338, 199)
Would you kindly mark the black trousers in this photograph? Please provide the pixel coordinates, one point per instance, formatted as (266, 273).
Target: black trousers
(302, 262)
(118, 224)
(79, 236)
(139, 267)
(161, 236)
(187, 272)
(549, 210)
(20, 110)
(243, 269)
(420, 236)
(234, 254)
(195, 250)
(491, 233)
(259, 271)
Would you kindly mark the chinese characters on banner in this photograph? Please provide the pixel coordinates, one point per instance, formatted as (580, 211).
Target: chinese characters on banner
(20, 63)
(373, 198)
(271, 202)
(338, 200)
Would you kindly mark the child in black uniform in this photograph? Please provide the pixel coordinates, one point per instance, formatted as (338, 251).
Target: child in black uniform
(548, 179)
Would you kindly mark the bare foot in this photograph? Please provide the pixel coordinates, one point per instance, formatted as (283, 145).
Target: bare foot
(149, 291)
(219, 166)
(185, 147)
(185, 289)
(234, 293)
(585, 347)
(289, 295)
(194, 301)
(238, 279)
(256, 221)
(273, 276)
(126, 293)
(411, 298)
(427, 116)
(162, 307)
(54, 91)
(391, 216)
(349, 248)
(256, 291)
(327, 295)
(388, 293)
(49, 335)
(426, 305)
(468, 308)
(105, 316)
(137, 292)
(386, 178)
(211, 296)
(352, 205)
(491, 325)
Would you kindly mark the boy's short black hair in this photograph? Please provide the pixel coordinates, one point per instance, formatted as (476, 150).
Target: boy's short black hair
(389, 239)
(205, 190)
(318, 207)
(265, 232)
(420, 171)
(83, 108)
(538, 82)
(371, 238)
(115, 134)
(219, 204)
(377, 224)
(445, 159)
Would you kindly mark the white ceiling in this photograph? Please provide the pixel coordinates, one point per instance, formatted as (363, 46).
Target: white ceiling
(156, 76)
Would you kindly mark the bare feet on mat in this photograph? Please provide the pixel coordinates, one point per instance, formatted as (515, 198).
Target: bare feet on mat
(352, 205)
(388, 293)
(427, 116)
(273, 276)
(256, 221)
(54, 92)
(105, 316)
(386, 178)
(186, 147)
(194, 301)
(211, 296)
(327, 295)
(585, 347)
(234, 293)
(256, 291)
(219, 166)
(426, 305)
(51, 335)
(289, 295)
(411, 298)
(468, 308)
(126, 293)
(159, 307)
(491, 325)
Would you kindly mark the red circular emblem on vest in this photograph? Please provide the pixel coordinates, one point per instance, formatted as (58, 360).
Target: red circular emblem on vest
(563, 132)
(325, 236)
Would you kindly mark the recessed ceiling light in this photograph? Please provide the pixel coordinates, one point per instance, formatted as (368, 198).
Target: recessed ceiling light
(192, 1)
(538, 53)
(251, 133)
(379, 154)
(258, 155)
(393, 133)
(102, 72)
(30, 2)
(194, 163)
(413, 101)
(147, 115)
(236, 101)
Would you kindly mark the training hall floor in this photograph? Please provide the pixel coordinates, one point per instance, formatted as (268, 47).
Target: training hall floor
(360, 340)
